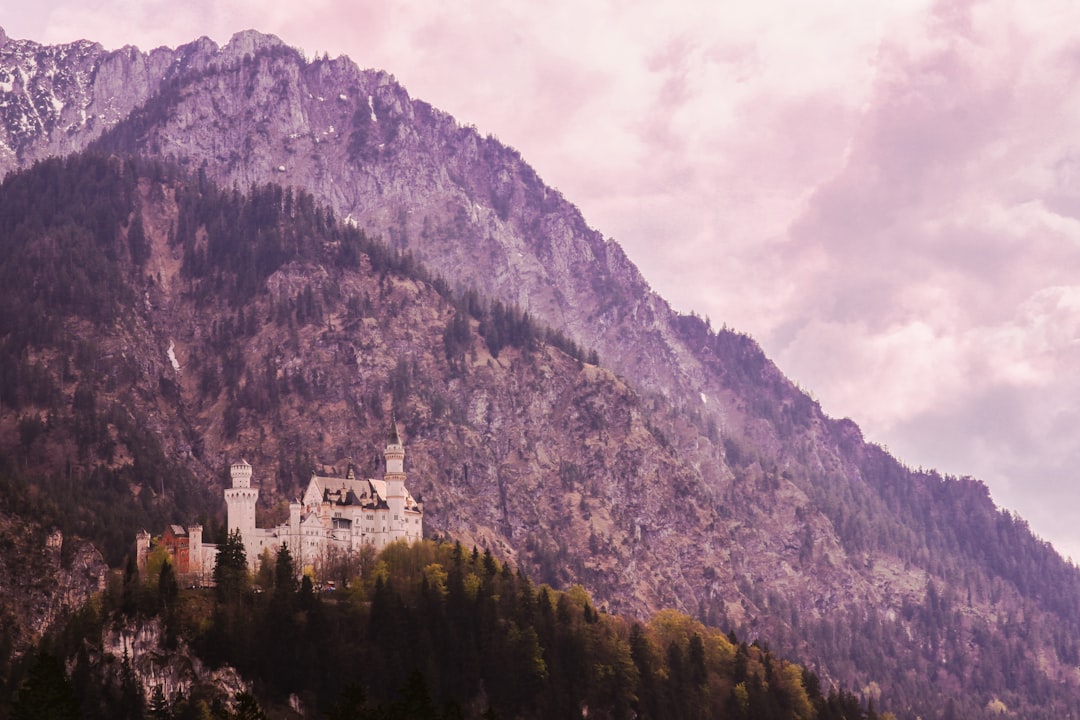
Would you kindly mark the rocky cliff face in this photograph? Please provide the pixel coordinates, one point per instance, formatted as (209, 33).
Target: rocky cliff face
(684, 471)
(43, 577)
(55, 99)
(172, 673)
(465, 203)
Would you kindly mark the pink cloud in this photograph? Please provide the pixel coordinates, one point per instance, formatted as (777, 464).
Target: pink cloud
(945, 217)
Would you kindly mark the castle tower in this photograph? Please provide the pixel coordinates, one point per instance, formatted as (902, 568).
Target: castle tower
(295, 537)
(240, 500)
(142, 549)
(395, 481)
(195, 549)
(394, 452)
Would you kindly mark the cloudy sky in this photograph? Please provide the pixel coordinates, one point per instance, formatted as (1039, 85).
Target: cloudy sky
(884, 194)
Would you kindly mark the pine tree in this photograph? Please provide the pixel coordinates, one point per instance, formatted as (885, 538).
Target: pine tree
(168, 594)
(159, 706)
(247, 708)
(129, 599)
(45, 694)
(284, 573)
(230, 570)
(168, 588)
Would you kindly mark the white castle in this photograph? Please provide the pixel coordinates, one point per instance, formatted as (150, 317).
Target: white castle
(335, 516)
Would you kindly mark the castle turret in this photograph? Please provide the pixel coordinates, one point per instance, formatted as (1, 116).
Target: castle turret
(394, 453)
(295, 535)
(395, 480)
(241, 474)
(240, 500)
(195, 549)
(142, 549)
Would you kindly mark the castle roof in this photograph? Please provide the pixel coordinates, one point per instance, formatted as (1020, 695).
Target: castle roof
(346, 491)
(351, 492)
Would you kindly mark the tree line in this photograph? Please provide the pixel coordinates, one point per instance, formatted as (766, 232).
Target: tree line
(426, 631)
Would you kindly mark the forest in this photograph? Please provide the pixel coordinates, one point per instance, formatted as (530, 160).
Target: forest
(76, 249)
(427, 631)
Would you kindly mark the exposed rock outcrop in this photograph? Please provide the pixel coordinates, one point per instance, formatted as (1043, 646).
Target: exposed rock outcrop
(44, 576)
(175, 673)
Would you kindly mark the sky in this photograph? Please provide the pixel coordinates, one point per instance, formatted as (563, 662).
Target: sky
(885, 195)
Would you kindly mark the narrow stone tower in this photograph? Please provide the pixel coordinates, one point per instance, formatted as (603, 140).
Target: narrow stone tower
(240, 500)
(395, 481)
(142, 549)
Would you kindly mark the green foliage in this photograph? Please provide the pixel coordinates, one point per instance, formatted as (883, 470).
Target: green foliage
(432, 629)
(168, 592)
(60, 239)
(80, 506)
(285, 584)
(138, 243)
(131, 592)
(247, 708)
(502, 326)
(45, 694)
(231, 568)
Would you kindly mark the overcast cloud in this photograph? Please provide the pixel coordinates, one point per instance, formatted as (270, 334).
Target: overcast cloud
(886, 195)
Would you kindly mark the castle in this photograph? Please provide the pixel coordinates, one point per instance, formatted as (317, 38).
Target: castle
(191, 558)
(334, 516)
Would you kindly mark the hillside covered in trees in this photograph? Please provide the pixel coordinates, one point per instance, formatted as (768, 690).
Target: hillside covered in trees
(429, 631)
(155, 326)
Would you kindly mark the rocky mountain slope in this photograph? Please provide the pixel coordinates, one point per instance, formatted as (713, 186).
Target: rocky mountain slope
(683, 471)
(44, 577)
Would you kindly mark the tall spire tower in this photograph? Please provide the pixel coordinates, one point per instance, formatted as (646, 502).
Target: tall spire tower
(395, 475)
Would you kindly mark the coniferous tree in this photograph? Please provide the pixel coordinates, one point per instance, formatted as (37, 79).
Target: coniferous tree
(350, 705)
(131, 703)
(168, 587)
(159, 705)
(168, 594)
(231, 570)
(129, 601)
(247, 708)
(137, 241)
(45, 694)
(284, 574)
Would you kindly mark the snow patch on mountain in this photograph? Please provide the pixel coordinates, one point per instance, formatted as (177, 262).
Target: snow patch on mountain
(171, 352)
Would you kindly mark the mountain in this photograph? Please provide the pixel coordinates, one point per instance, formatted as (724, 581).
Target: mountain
(268, 255)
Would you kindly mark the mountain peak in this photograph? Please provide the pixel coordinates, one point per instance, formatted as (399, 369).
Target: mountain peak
(250, 41)
(201, 44)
